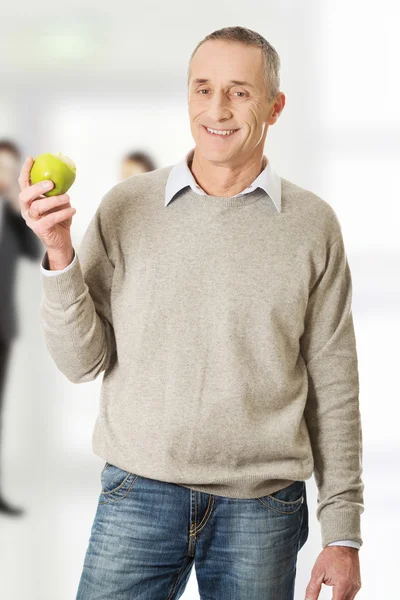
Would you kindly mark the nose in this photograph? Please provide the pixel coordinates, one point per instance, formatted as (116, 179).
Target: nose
(218, 108)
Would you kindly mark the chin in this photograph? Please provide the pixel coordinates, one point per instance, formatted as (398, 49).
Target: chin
(218, 155)
(210, 155)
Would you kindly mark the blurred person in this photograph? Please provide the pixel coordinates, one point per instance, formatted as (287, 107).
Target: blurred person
(136, 162)
(215, 296)
(16, 241)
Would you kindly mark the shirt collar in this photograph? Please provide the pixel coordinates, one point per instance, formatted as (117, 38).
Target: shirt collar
(181, 176)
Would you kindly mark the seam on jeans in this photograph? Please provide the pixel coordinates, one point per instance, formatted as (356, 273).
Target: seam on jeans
(298, 501)
(177, 580)
(285, 501)
(205, 517)
(118, 486)
(113, 500)
(195, 514)
(300, 528)
(193, 525)
(281, 511)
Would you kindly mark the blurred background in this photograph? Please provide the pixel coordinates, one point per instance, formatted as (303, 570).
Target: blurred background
(98, 83)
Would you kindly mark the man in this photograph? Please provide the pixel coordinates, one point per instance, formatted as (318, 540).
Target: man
(16, 241)
(136, 162)
(216, 298)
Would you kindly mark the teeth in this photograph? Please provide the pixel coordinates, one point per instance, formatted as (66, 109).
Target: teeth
(223, 132)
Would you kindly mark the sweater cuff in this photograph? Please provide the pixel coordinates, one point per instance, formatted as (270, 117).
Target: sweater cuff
(340, 525)
(64, 288)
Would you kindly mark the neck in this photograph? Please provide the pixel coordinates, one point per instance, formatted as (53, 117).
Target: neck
(225, 181)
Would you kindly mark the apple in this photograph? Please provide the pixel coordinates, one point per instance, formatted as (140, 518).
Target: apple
(58, 168)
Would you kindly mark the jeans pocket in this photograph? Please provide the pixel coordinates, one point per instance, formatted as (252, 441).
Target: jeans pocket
(116, 483)
(288, 500)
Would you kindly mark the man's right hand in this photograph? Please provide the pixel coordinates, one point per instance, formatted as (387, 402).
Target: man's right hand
(49, 217)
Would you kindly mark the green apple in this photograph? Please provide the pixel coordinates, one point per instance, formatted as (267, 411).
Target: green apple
(59, 168)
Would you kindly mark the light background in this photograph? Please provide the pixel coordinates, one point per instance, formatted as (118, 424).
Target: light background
(95, 82)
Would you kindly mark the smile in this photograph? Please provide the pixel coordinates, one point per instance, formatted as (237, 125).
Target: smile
(220, 133)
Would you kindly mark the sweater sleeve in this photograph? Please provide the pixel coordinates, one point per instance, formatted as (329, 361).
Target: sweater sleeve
(75, 312)
(332, 413)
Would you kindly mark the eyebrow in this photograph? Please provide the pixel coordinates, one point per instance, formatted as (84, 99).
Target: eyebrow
(235, 81)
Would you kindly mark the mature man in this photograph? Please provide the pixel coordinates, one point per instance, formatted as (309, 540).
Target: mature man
(216, 298)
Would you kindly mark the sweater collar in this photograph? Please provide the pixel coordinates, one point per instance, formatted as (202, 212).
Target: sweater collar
(181, 176)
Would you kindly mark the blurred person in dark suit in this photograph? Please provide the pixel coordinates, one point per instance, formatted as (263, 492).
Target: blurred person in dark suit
(16, 240)
(136, 162)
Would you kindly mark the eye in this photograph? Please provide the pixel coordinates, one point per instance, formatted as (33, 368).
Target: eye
(240, 93)
(203, 90)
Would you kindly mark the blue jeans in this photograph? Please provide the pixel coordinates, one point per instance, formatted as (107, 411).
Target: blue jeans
(148, 534)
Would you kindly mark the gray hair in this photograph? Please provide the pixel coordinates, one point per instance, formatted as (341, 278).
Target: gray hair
(272, 61)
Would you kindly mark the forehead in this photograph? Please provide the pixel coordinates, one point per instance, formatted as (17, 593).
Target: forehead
(222, 60)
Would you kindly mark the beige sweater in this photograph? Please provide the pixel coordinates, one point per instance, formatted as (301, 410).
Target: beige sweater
(225, 334)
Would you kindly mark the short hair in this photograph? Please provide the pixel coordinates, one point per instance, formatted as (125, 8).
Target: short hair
(143, 158)
(8, 145)
(249, 37)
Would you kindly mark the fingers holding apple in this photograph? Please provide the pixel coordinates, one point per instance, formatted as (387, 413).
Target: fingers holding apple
(42, 213)
(41, 206)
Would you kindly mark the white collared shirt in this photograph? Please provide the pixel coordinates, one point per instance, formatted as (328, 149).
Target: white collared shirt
(181, 176)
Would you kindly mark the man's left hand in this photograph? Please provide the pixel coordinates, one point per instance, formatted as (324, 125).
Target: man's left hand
(339, 567)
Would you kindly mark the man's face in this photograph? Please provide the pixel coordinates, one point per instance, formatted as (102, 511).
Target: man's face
(131, 167)
(220, 104)
(9, 171)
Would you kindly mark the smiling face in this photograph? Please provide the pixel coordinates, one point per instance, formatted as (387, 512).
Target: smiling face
(226, 91)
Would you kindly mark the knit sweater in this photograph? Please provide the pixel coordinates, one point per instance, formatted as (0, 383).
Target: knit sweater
(225, 333)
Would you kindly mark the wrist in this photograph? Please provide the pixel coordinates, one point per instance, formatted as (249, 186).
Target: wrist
(60, 260)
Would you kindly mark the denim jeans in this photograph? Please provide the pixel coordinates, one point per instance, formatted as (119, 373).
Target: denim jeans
(148, 534)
